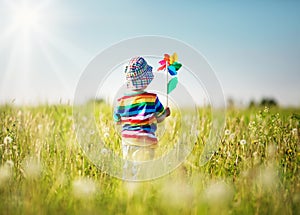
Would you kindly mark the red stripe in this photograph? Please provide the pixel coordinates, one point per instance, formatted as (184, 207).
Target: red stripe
(143, 94)
(138, 121)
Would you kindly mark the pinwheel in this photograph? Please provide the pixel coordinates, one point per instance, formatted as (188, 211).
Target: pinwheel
(170, 63)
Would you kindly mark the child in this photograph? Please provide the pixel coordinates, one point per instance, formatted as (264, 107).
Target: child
(139, 112)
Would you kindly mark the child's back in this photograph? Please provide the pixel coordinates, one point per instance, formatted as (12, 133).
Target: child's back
(138, 113)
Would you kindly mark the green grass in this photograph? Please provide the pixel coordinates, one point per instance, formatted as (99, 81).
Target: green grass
(44, 171)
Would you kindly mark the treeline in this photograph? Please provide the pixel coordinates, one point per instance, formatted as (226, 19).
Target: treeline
(264, 102)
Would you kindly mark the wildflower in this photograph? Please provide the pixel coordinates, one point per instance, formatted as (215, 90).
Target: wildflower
(243, 142)
(10, 163)
(7, 140)
(295, 131)
(131, 187)
(19, 113)
(176, 194)
(228, 154)
(84, 119)
(232, 136)
(266, 110)
(267, 178)
(227, 132)
(218, 193)
(40, 126)
(84, 187)
(255, 154)
(5, 174)
(32, 168)
(106, 134)
(104, 151)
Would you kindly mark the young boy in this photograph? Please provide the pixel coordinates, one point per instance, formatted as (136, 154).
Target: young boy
(139, 112)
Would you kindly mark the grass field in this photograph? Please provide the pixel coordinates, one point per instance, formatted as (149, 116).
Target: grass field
(255, 170)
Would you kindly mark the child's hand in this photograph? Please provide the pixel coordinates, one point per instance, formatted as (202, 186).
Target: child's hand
(168, 112)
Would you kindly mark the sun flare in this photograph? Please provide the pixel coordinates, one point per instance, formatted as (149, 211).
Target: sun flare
(26, 17)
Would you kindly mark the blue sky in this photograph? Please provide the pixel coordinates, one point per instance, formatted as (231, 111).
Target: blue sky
(253, 46)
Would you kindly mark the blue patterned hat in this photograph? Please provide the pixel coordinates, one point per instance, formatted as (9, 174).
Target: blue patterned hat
(138, 74)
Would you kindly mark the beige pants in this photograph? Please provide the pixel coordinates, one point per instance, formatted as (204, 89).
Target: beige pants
(133, 157)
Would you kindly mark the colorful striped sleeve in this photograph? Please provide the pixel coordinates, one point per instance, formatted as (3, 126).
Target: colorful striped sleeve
(159, 108)
(116, 114)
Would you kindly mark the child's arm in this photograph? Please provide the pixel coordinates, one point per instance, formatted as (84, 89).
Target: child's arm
(164, 115)
(116, 116)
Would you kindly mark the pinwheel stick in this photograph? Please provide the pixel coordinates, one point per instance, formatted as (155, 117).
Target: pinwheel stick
(167, 83)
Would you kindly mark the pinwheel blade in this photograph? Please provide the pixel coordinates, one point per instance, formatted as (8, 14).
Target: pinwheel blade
(162, 62)
(172, 70)
(163, 67)
(177, 65)
(172, 84)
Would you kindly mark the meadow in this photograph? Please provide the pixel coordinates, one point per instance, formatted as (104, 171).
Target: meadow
(255, 169)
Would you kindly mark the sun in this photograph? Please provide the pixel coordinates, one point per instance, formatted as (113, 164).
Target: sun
(26, 18)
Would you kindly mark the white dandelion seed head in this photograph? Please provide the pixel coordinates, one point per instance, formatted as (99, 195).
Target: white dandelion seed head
(218, 193)
(232, 136)
(255, 154)
(10, 163)
(40, 126)
(7, 140)
(271, 150)
(83, 187)
(228, 154)
(295, 131)
(106, 135)
(32, 168)
(243, 142)
(131, 187)
(5, 174)
(105, 129)
(177, 194)
(267, 178)
(84, 119)
(104, 151)
(266, 110)
(227, 132)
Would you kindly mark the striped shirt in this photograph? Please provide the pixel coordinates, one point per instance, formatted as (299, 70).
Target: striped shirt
(137, 113)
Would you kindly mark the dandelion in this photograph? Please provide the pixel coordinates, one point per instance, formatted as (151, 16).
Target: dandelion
(266, 110)
(218, 193)
(255, 154)
(106, 134)
(232, 136)
(84, 119)
(40, 126)
(104, 151)
(10, 163)
(228, 154)
(243, 142)
(83, 188)
(131, 188)
(7, 140)
(267, 178)
(5, 174)
(295, 131)
(176, 194)
(32, 168)
(227, 132)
